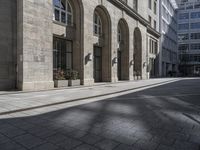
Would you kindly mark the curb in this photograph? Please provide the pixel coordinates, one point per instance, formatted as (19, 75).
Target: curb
(75, 87)
(84, 98)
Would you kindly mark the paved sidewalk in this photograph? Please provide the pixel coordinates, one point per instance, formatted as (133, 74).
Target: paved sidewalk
(18, 101)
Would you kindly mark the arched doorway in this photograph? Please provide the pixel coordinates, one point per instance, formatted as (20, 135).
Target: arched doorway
(123, 50)
(67, 46)
(137, 54)
(102, 49)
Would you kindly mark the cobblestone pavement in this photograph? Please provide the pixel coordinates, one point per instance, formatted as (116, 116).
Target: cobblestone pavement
(166, 117)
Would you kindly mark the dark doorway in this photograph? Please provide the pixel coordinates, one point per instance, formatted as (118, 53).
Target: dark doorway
(119, 66)
(97, 64)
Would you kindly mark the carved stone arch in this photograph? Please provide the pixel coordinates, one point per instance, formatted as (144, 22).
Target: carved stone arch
(137, 53)
(76, 32)
(123, 50)
(105, 47)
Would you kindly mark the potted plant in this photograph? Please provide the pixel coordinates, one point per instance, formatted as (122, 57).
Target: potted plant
(73, 77)
(59, 78)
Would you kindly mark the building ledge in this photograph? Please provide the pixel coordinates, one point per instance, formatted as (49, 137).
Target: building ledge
(153, 32)
(135, 15)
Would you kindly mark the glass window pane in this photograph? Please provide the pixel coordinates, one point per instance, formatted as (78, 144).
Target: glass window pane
(56, 13)
(69, 8)
(63, 4)
(56, 3)
(63, 17)
(69, 19)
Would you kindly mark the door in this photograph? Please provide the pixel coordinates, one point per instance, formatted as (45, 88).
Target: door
(98, 64)
(119, 65)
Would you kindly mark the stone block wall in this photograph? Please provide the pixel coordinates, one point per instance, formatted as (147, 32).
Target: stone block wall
(28, 41)
(115, 14)
(35, 40)
(8, 44)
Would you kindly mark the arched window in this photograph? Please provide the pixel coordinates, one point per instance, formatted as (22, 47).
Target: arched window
(97, 24)
(63, 12)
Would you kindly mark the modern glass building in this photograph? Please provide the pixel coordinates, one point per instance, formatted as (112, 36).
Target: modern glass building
(189, 37)
(168, 62)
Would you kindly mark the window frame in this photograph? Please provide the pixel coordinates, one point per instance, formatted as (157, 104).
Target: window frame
(97, 25)
(66, 12)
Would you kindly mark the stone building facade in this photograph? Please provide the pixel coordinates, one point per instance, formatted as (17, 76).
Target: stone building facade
(153, 50)
(104, 40)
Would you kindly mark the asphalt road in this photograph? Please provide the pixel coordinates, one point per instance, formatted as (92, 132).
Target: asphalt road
(166, 117)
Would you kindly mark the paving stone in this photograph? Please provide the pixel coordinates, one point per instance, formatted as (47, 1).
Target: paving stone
(109, 134)
(69, 143)
(96, 130)
(107, 144)
(183, 145)
(24, 125)
(46, 146)
(128, 140)
(143, 135)
(11, 146)
(90, 139)
(77, 134)
(163, 140)
(41, 132)
(66, 130)
(125, 147)
(164, 147)
(29, 141)
(3, 139)
(56, 138)
(177, 136)
(85, 147)
(195, 138)
(11, 131)
(146, 145)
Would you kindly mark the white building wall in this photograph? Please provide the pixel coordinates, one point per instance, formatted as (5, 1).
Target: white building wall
(168, 42)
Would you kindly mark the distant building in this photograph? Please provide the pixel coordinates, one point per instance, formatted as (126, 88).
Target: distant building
(189, 37)
(168, 54)
(153, 44)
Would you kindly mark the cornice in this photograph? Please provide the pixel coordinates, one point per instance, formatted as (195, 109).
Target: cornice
(153, 32)
(120, 4)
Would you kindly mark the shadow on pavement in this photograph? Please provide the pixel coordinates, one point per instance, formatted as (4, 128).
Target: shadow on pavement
(161, 118)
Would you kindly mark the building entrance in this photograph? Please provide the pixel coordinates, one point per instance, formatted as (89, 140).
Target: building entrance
(119, 69)
(97, 64)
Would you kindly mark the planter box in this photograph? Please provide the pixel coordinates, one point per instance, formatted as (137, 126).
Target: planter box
(74, 82)
(61, 83)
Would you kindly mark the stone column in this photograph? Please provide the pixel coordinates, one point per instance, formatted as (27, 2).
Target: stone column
(34, 45)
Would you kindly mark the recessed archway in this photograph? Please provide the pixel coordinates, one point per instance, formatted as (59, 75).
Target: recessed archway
(102, 49)
(137, 53)
(123, 50)
(68, 46)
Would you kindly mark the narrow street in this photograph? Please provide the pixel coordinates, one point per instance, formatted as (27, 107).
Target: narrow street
(164, 117)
